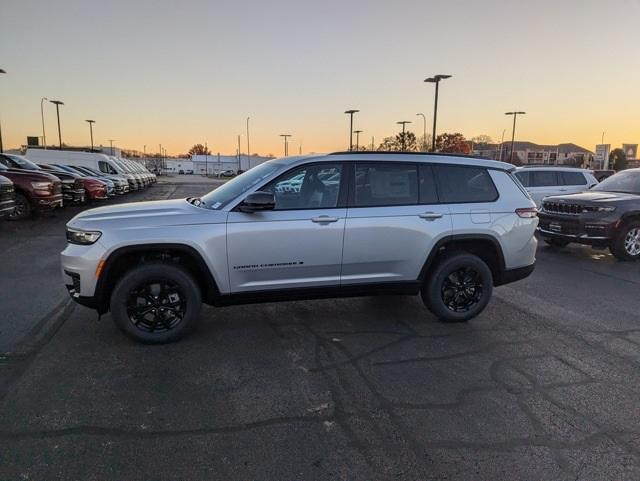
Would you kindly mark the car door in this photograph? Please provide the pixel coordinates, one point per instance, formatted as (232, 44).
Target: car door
(299, 243)
(573, 182)
(544, 183)
(393, 221)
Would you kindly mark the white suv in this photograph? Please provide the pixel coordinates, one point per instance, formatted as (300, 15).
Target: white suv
(446, 227)
(543, 182)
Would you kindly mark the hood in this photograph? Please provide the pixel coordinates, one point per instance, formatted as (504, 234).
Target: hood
(592, 196)
(146, 214)
(34, 175)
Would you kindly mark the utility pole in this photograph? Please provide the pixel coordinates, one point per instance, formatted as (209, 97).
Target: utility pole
(350, 113)
(91, 122)
(404, 140)
(44, 136)
(239, 155)
(286, 147)
(1, 146)
(436, 80)
(58, 103)
(357, 132)
(111, 141)
(248, 146)
(424, 130)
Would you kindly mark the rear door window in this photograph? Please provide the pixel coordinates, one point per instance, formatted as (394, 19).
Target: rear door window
(428, 191)
(379, 184)
(573, 178)
(458, 184)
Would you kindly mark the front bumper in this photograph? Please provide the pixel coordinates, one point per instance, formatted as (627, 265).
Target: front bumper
(588, 230)
(75, 196)
(78, 266)
(48, 202)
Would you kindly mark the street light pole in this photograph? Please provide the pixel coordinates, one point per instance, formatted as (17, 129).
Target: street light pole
(286, 148)
(404, 140)
(111, 141)
(1, 146)
(436, 80)
(248, 145)
(424, 131)
(44, 135)
(513, 132)
(501, 143)
(350, 113)
(91, 122)
(58, 103)
(358, 132)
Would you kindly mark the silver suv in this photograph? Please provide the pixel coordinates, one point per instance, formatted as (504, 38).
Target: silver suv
(344, 224)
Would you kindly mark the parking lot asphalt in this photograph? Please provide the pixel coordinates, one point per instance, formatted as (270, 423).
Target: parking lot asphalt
(543, 385)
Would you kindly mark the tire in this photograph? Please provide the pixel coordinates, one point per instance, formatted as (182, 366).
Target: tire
(626, 244)
(23, 208)
(447, 272)
(555, 242)
(156, 303)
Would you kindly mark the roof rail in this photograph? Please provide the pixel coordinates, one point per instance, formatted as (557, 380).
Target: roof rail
(386, 152)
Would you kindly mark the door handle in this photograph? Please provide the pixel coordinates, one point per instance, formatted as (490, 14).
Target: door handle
(430, 215)
(324, 219)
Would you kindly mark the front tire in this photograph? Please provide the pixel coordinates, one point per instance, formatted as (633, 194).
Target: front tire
(458, 288)
(22, 209)
(156, 303)
(626, 245)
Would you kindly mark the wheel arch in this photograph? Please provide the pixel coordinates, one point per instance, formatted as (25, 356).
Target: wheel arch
(125, 258)
(485, 246)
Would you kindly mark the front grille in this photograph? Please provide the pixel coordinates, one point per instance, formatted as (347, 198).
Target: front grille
(78, 184)
(57, 187)
(562, 208)
(68, 184)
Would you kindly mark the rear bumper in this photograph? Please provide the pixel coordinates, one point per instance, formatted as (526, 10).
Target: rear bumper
(512, 275)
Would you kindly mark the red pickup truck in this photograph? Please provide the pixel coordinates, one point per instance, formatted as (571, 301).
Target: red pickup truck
(34, 191)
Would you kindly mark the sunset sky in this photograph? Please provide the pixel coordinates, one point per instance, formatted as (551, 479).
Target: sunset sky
(182, 72)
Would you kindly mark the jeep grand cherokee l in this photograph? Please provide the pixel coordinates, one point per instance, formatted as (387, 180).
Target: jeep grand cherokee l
(608, 215)
(447, 227)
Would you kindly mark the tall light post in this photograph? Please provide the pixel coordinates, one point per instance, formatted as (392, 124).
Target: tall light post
(248, 145)
(403, 123)
(435, 80)
(350, 114)
(286, 146)
(513, 132)
(44, 135)
(424, 130)
(358, 132)
(501, 143)
(1, 147)
(58, 103)
(111, 141)
(91, 122)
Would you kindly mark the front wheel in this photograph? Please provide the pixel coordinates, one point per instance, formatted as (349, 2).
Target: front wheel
(458, 288)
(626, 245)
(156, 303)
(22, 209)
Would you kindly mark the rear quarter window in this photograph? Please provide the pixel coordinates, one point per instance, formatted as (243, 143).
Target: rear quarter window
(463, 184)
(573, 178)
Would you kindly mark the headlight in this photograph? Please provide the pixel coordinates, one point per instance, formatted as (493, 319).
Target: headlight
(82, 237)
(42, 185)
(591, 208)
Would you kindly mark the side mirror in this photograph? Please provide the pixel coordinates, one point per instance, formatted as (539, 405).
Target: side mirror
(258, 201)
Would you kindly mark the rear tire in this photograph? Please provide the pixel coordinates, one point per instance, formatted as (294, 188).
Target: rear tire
(22, 209)
(555, 242)
(156, 303)
(459, 287)
(626, 244)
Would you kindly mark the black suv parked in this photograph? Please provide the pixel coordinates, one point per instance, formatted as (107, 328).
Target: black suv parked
(608, 215)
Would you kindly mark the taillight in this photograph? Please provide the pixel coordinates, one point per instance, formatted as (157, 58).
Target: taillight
(527, 212)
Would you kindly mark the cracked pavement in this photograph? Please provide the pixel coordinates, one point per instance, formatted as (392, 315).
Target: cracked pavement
(543, 385)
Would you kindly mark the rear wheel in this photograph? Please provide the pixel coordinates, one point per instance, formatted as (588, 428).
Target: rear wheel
(626, 245)
(555, 242)
(156, 303)
(459, 288)
(22, 209)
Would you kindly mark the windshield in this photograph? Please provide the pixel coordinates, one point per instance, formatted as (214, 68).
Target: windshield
(222, 195)
(23, 163)
(627, 182)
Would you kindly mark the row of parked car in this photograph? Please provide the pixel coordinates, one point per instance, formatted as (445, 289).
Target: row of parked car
(42, 180)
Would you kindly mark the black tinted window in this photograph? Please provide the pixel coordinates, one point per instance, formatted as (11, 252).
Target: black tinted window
(383, 184)
(428, 192)
(464, 184)
(544, 178)
(523, 177)
(314, 186)
(573, 178)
